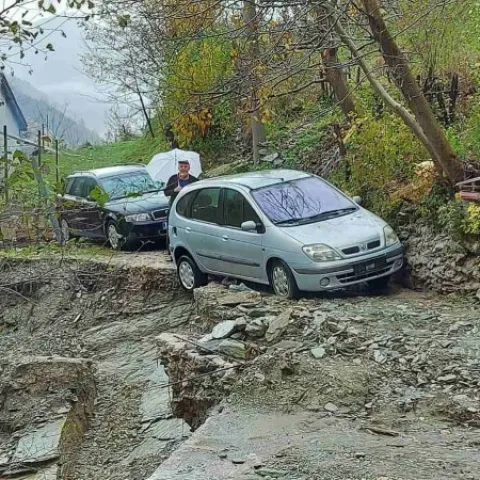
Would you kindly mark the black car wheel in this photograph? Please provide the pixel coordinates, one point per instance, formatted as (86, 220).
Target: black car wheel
(115, 238)
(190, 275)
(64, 231)
(282, 280)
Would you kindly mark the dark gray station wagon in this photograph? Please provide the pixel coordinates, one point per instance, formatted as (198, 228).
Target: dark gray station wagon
(120, 204)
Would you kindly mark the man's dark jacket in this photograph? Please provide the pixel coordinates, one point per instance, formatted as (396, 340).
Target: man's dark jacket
(172, 184)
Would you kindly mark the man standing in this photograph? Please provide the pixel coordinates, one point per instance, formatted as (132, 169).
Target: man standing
(176, 183)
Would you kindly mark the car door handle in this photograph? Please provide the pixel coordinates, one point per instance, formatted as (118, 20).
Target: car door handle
(188, 229)
(224, 238)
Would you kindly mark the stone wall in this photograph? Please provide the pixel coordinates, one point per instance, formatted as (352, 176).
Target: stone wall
(439, 263)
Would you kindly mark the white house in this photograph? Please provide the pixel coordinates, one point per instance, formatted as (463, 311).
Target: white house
(10, 115)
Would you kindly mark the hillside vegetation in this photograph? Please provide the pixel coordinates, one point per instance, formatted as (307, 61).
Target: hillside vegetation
(379, 98)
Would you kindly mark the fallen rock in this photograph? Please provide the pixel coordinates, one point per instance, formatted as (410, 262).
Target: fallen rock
(233, 348)
(271, 158)
(447, 378)
(224, 329)
(278, 325)
(271, 472)
(330, 407)
(256, 328)
(318, 352)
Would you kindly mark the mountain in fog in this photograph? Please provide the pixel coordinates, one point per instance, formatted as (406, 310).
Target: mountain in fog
(38, 108)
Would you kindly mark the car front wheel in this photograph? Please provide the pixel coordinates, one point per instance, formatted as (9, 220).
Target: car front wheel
(189, 274)
(282, 280)
(115, 238)
(64, 231)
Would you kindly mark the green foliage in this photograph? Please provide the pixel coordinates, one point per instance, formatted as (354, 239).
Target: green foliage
(472, 220)
(382, 155)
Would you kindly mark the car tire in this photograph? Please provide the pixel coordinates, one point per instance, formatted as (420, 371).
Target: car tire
(379, 284)
(115, 239)
(282, 280)
(189, 274)
(65, 235)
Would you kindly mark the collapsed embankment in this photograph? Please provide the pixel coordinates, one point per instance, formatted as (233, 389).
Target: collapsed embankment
(117, 369)
(82, 393)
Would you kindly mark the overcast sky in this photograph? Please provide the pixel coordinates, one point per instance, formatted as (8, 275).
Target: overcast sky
(61, 76)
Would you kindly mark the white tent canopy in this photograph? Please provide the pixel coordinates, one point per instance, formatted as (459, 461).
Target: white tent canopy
(163, 165)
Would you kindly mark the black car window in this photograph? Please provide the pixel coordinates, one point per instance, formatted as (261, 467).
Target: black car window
(88, 185)
(77, 187)
(205, 205)
(237, 209)
(184, 205)
(70, 182)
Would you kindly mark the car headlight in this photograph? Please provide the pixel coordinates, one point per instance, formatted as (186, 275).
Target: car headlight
(321, 253)
(390, 236)
(138, 217)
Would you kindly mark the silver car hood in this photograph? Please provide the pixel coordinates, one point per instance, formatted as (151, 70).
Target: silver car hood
(339, 232)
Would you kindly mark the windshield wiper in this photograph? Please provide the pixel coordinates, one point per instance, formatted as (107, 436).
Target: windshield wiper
(331, 213)
(289, 221)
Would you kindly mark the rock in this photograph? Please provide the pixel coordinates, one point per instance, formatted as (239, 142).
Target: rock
(447, 378)
(256, 328)
(318, 352)
(464, 404)
(360, 455)
(240, 288)
(278, 325)
(379, 357)
(234, 299)
(224, 329)
(288, 345)
(222, 455)
(233, 348)
(330, 407)
(271, 158)
(478, 294)
(271, 472)
(240, 324)
(238, 461)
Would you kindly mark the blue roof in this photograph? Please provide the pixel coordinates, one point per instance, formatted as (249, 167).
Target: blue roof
(13, 104)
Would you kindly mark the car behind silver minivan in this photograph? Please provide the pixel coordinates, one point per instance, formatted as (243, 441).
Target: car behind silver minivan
(284, 228)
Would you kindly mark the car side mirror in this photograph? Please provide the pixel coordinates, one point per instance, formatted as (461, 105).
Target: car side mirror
(357, 200)
(249, 226)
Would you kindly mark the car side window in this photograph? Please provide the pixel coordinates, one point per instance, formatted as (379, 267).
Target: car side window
(184, 205)
(237, 209)
(88, 186)
(77, 187)
(205, 206)
(69, 187)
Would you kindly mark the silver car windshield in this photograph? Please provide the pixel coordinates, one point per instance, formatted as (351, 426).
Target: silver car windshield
(302, 201)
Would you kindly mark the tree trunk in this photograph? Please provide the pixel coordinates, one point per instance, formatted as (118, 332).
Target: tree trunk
(405, 81)
(251, 26)
(390, 102)
(336, 78)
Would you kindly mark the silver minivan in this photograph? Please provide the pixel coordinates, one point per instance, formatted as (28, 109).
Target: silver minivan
(284, 228)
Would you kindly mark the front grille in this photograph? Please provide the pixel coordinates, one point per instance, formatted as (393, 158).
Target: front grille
(354, 249)
(158, 214)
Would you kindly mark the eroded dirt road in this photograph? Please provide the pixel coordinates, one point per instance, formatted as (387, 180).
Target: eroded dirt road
(350, 386)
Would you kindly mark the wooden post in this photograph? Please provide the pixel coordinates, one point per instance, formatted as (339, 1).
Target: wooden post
(5, 153)
(57, 163)
(39, 149)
